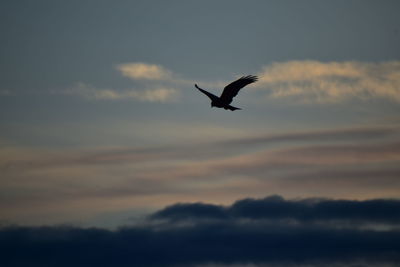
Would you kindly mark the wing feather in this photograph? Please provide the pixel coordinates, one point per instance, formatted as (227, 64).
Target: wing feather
(232, 89)
(210, 95)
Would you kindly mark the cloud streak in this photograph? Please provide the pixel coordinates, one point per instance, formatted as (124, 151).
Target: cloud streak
(198, 151)
(357, 162)
(160, 94)
(360, 133)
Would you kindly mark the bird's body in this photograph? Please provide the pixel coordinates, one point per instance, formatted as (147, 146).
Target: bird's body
(230, 91)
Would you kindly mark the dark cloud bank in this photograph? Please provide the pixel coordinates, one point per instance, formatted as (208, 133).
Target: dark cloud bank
(269, 231)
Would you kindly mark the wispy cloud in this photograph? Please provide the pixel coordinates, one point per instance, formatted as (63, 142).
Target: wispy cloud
(164, 85)
(160, 94)
(139, 71)
(354, 133)
(156, 74)
(308, 81)
(353, 141)
(331, 81)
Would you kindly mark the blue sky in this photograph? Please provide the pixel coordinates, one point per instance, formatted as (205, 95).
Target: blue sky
(100, 120)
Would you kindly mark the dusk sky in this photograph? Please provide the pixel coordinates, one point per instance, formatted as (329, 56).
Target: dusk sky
(101, 125)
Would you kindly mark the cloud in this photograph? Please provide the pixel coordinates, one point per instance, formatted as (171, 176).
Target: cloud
(308, 81)
(155, 74)
(315, 81)
(301, 210)
(163, 83)
(144, 71)
(145, 95)
(337, 139)
(240, 236)
(351, 162)
(354, 133)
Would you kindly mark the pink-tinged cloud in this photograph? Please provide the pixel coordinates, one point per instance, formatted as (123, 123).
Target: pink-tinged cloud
(329, 163)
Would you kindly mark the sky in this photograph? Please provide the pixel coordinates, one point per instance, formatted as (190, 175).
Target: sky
(101, 126)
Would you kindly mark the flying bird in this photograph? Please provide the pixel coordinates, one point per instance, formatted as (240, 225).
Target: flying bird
(230, 91)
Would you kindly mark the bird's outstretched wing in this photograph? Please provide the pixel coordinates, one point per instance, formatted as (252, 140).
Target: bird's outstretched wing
(232, 89)
(211, 96)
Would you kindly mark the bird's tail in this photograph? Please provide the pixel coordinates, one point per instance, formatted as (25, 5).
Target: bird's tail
(232, 108)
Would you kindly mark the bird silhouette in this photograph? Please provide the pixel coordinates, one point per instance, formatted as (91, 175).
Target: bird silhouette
(230, 91)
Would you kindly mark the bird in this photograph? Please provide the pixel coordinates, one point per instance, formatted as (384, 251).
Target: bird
(229, 92)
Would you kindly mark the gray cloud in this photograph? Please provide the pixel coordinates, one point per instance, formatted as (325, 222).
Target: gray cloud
(237, 234)
(277, 208)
